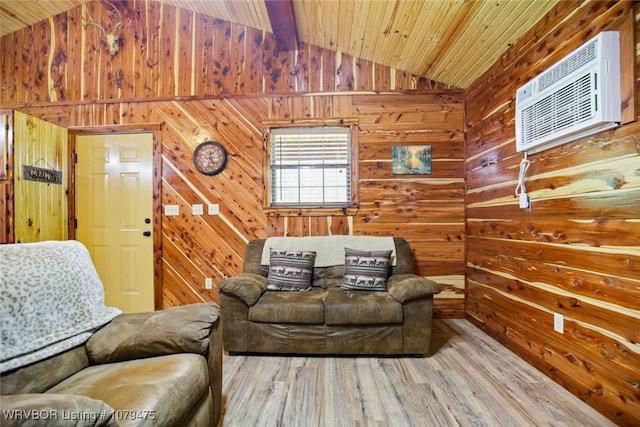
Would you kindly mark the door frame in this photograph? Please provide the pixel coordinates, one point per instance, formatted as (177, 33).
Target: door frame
(7, 207)
(156, 130)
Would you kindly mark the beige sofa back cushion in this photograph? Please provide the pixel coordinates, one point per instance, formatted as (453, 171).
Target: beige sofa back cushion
(326, 277)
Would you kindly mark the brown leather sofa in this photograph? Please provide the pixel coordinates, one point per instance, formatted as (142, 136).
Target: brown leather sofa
(161, 368)
(327, 319)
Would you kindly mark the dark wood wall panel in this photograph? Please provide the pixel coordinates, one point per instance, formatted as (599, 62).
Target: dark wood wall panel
(428, 210)
(425, 209)
(575, 253)
(167, 52)
(199, 78)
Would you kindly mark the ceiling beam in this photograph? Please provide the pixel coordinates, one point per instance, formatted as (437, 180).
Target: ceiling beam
(283, 23)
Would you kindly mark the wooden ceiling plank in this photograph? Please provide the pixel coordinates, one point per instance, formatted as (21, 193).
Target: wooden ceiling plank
(363, 17)
(449, 41)
(371, 36)
(346, 24)
(283, 24)
(244, 12)
(395, 32)
(456, 27)
(411, 15)
(495, 24)
(331, 25)
(259, 13)
(459, 48)
(303, 21)
(17, 14)
(434, 26)
(502, 35)
(381, 40)
(251, 13)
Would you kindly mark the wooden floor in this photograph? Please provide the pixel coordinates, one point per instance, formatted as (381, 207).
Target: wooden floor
(469, 380)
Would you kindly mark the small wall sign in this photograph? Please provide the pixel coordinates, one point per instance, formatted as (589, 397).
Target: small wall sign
(33, 173)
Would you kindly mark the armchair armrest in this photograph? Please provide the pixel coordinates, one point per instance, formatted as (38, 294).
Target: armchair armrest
(183, 329)
(246, 286)
(53, 409)
(406, 287)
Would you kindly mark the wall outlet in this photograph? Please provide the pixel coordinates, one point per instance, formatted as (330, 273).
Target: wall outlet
(208, 283)
(197, 209)
(525, 202)
(171, 210)
(214, 209)
(558, 323)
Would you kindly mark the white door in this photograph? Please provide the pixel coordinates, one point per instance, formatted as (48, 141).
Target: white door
(114, 210)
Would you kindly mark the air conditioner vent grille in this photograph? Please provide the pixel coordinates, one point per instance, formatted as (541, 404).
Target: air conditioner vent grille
(577, 97)
(560, 110)
(574, 62)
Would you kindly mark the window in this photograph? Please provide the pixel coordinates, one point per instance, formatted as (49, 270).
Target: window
(310, 167)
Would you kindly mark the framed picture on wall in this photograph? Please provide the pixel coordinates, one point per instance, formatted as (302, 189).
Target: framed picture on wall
(411, 159)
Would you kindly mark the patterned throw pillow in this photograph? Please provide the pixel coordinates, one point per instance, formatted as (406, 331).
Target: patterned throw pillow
(366, 270)
(290, 270)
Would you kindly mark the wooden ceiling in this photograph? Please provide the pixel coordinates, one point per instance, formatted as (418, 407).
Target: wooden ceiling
(449, 41)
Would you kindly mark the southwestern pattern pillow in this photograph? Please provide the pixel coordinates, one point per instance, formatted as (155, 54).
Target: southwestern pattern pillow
(366, 270)
(290, 270)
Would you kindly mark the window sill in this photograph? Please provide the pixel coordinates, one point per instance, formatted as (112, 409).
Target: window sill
(285, 212)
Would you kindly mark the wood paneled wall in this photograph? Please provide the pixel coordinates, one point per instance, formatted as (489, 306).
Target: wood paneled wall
(41, 209)
(202, 78)
(167, 52)
(577, 251)
(6, 176)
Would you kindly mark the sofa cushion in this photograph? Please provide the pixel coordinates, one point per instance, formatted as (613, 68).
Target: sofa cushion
(160, 390)
(325, 246)
(290, 270)
(289, 307)
(366, 270)
(407, 287)
(328, 277)
(361, 308)
(246, 286)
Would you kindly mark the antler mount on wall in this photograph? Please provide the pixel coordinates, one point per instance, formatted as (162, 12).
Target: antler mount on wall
(112, 38)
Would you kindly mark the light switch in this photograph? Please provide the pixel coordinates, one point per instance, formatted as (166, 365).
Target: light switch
(171, 210)
(214, 209)
(197, 209)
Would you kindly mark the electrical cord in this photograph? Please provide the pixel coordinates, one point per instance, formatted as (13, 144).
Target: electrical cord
(521, 190)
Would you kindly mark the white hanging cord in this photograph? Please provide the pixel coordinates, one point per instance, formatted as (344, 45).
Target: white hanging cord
(521, 191)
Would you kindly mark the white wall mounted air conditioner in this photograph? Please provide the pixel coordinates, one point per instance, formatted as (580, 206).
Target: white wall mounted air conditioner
(576, 97)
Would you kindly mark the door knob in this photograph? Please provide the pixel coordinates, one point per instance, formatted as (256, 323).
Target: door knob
(147, 220)
(146, 233)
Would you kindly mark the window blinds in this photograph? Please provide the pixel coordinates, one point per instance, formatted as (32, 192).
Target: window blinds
(310, 166)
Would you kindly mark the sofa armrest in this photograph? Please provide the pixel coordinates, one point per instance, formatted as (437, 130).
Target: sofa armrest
(183, 329)
(246, 286)
(406, 287)
(53, 409)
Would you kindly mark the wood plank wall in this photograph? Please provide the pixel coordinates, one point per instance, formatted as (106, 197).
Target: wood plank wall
(202, 78)
(41, 209)
(6, 177)
(577, 252)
